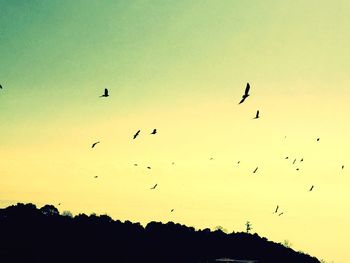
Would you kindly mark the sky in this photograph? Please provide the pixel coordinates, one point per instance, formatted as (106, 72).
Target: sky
(181, 67)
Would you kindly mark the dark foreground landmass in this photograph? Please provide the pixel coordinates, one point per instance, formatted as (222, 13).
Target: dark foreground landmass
(28, 234)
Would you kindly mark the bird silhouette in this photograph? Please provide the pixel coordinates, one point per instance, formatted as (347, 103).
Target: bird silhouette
(148, 167)
(238, 162)
(154, 187)
(276, 210)
(255, 170)
(342, 167)
(302, 159)
(154, 131)
(257, 115)
(137, 134)
(172, 210)
(318, 139)
(94, 144)
(135, 164)
(312, 187)
(297, 169)
(95, 176)
(280, 214)
(294, 161)
(286, 158)
(246, 94)
(105, 94)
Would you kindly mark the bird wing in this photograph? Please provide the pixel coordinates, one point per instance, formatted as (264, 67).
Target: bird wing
(247, 89)
(94, 144)
(242, 100)
(136, 134)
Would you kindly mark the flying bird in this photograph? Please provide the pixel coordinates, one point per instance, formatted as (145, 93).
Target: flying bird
(342, 167)
(148, 167)
(286, 158)
(172, 210)
(94, 144)
(276, 210)
(246, 93)
(294, 161)
(95, 176)
(297, 169)
(154, 187)
(105, 94)
(312, 187)
(137, 134)
(302, 159)
(238, 162)
(257, 115)
(280, 214)
(154, 131)
(255, 170)
(318, 139)
(135, 164)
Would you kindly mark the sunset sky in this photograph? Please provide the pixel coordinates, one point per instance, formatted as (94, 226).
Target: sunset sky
(181, 67)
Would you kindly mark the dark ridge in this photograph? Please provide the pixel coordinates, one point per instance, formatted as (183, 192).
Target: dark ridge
(29, 234)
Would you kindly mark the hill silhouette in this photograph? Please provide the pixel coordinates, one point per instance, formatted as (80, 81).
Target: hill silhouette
(29, 234)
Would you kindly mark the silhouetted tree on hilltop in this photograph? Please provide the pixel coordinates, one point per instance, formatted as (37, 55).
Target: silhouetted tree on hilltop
(40, 235)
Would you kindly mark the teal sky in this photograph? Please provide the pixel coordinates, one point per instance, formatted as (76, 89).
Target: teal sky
(181, 67)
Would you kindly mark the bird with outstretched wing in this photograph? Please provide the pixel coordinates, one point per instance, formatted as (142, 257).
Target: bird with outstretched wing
(94, 144)
(246, 93)
(105, 94)
(136, 134)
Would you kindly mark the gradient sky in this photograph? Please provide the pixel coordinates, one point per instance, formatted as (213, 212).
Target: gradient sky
(181, 67)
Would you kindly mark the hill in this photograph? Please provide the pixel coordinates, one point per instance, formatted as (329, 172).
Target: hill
(29, 234)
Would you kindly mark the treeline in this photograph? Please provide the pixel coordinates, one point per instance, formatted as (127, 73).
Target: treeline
(29, 234)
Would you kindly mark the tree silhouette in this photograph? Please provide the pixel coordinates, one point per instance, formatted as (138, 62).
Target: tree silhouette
(248, 226)
(287, 243)
(67, 213)
(43, 235)
(221, 229)
(49, 210)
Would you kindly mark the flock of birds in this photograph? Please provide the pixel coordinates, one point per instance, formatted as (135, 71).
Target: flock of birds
(244, 97)
(257, 116)
(106, 94)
